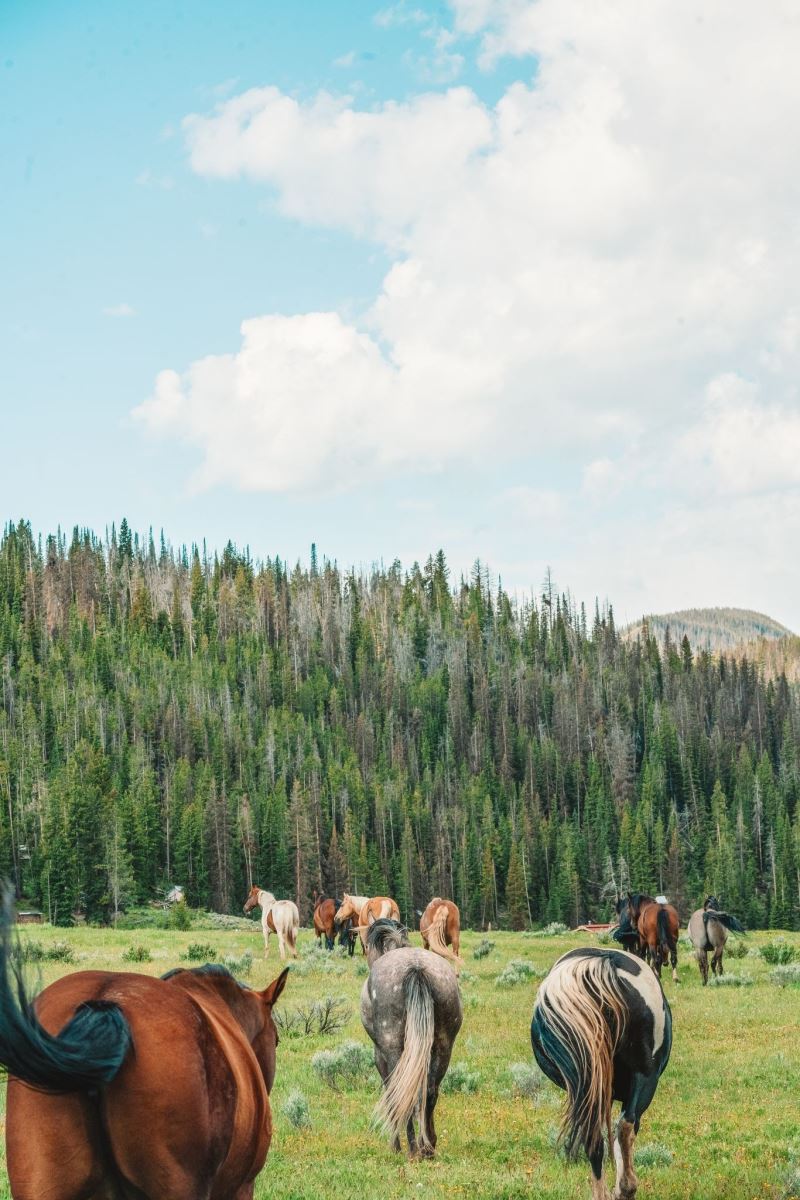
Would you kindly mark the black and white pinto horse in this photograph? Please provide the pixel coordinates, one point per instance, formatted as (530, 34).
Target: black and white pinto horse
(411, 1008)
(602, 1031)
(708, 930)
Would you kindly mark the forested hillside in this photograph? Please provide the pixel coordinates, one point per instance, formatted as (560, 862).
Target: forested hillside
(173, 717)
(714, 628)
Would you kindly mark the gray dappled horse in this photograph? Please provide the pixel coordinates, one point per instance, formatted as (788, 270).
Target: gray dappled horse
(708, 930)
(411, 1008)
(602, 1031)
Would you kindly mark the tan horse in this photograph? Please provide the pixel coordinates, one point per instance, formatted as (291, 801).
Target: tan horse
(440, 926)
(708, 930)
(277, 916)
(366, 910)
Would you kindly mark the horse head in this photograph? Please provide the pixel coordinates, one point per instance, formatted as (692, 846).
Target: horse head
(254, 899)
(384, 935)
(346, 910)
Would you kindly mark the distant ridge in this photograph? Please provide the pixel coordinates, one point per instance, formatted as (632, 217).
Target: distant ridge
(712, 629)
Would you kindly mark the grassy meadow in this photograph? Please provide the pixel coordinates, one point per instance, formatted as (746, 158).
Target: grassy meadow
(725, 1122)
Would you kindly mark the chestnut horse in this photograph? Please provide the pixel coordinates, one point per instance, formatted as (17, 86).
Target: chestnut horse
(657, 925)
(277, 916)
(366, 910)
(440, 926)
(324, 912)
(125, 1085)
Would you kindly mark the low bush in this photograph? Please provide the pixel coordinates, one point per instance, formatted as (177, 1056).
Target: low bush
(136, 954)
(786, 975)
(731, 979)
(483, 949)
(322, 1017)
(243, 965)
(519, 970)
(653, 1154)
(526, 1080)
(178, 917)
(554, 929)
(778, 953)
(735, 948)
(40, 952)
(461, 1078)
(295, 1109)
(349, 1065)
(201, 952)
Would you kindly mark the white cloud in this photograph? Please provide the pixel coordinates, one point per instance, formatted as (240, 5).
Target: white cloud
(119, 310)
(589, 268)
(345, 60)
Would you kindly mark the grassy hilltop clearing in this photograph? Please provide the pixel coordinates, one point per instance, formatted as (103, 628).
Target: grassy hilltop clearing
(725, 1123)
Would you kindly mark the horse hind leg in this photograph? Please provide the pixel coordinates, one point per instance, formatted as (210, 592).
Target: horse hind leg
(598, 1184)
(702, 962)
(716, 960)
(673, 959)
(627, 1183)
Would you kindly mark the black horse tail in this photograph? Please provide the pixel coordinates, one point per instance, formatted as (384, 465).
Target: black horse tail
(88, 1051)
(724, 919)
(665, 937)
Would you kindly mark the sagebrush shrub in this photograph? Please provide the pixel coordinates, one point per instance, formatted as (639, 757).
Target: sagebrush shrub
(778, 953)
(202, 952)
(460, 1078)
(483, 949)
(349, 1065)
(136, 954)
(295, 1109)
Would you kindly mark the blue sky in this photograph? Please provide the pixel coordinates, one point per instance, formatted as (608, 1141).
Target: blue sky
(545, 332)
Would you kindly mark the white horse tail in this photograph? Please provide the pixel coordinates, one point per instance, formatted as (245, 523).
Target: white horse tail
(435, 933)
(406, 1091)
(579, 1020)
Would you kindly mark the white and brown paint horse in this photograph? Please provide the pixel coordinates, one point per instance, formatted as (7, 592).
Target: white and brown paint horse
(602, 1031)
(440, 926)
(708, 930)
(364, 910)
(411, 1008)
(277, 916)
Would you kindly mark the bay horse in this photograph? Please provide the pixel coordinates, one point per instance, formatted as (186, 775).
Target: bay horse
(122, 1085)
(324, 913)
(708, 930)
(277, 916)
(602, 1031)
(411, 1009)
(371, 909)
(440, 926)
(657, 925)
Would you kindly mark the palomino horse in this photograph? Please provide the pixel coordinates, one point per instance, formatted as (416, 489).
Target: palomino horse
(708, 930)
(602, 1031)
(324, 913)
(657, 924)
(277, 916)
(124, 1085)
(365, 910)
(440, 926)
(411, 1008)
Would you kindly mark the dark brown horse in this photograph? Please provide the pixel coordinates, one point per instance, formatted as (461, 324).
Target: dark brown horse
(657, 925)
(126, 1086)
(440, 926)
(325, 910)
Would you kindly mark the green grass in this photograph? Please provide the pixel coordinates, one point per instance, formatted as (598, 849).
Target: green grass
(727, 1110)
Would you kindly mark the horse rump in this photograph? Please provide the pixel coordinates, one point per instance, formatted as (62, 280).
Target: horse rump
(579, 1019)
(436, 933)
(88, 1051)
(405, 1094)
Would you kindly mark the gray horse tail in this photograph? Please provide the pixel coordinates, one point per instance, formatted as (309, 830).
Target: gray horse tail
(406, 1090)
(724, 919)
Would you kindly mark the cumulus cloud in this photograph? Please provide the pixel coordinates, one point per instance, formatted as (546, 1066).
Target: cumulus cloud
(602, 264)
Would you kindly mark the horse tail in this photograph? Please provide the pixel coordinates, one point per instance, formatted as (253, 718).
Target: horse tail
(435, 933)
(665, 936)
(88, 1051)
(579, 1020)
(724, 919)
(406, 1090)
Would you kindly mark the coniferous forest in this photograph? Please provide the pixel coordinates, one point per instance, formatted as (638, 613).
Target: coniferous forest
(179, 717)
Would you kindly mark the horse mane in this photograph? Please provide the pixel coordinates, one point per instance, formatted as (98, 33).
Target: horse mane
(214, 969)
(385, 935)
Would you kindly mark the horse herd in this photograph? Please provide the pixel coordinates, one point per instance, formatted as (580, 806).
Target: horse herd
(122, 1085)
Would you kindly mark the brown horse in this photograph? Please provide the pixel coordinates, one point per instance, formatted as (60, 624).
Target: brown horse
(324, 913)
(657, 925)
(367, 910)
(122, 1085)
(440, 926)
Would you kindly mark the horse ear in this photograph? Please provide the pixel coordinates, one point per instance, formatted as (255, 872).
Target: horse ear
(273, 990)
